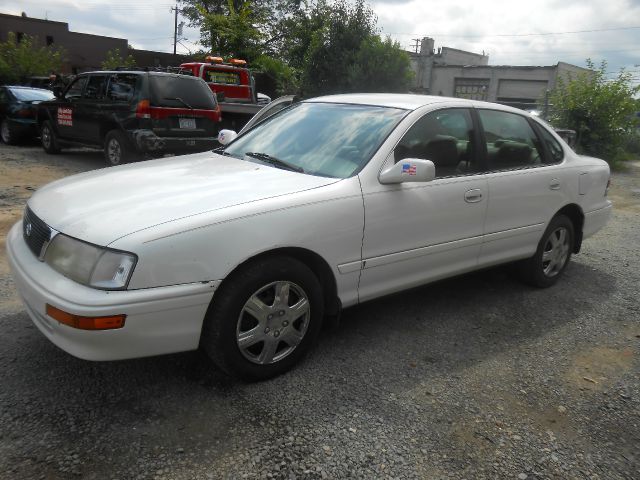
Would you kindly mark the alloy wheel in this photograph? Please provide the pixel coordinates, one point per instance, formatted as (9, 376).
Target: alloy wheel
(556, 252)
(273, 322)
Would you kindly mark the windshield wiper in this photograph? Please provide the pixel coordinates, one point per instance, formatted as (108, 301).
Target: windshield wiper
(179, 100)
(265, 157)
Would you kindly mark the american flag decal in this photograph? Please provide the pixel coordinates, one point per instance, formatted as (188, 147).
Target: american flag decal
(409, 169)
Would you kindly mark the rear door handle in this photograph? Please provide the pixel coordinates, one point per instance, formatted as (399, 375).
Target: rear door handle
(473, 195)
(555, 184)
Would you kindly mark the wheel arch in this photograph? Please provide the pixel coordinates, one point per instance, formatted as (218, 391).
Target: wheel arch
(316, 263)
(576, 215)
(107, 127)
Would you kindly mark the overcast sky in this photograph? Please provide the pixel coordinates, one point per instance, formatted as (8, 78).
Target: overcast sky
(512, 32)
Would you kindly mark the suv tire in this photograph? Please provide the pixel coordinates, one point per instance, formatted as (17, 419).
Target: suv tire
(48, 138)
(118, 149)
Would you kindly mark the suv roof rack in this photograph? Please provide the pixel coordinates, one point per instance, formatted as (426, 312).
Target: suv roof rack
(178, 70)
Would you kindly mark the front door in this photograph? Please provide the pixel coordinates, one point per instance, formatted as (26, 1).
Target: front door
(68, 111)
(419, 232)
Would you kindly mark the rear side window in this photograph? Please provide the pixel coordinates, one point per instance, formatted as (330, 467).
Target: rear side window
(122, 87)
(96, 87)
(181, 92)
(511, 142)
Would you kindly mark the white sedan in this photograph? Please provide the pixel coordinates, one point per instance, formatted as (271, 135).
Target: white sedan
(326, 204)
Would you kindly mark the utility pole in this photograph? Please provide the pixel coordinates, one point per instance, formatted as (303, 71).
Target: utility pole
(417, 45)
(175, 29)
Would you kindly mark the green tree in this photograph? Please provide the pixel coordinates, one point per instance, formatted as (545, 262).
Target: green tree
(24, 59)
(600, 110)
(232, 32)
(114, 59)
(346, 54)
(241, 27)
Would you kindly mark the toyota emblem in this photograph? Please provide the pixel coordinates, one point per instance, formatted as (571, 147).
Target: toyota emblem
(28, 229)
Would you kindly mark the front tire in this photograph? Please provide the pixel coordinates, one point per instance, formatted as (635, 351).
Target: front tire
(552, 256)
(6, 133)
(264, 318)
(118, 149)
(48, 138)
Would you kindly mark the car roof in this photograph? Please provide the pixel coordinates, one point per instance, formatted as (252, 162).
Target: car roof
(406, 101)
(138, 72)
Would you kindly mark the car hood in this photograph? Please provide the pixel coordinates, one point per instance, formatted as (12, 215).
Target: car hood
(104, 205)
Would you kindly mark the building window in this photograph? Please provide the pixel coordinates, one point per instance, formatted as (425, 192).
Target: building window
(49, 40)
(471, 88)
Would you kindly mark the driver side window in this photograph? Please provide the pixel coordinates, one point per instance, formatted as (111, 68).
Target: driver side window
(446, 138)
(75, 89)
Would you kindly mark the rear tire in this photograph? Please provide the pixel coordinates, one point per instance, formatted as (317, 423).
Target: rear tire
(263, 319)
(546, 266)
(48, 138)
(118, 149)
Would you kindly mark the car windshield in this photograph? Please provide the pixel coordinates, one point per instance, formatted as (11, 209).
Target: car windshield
(181, 92)
(325, 139)
(32, 94)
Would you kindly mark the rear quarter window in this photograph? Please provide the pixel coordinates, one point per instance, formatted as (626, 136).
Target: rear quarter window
(122, 87)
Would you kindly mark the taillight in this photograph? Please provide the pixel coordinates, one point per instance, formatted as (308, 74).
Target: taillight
(143, 110)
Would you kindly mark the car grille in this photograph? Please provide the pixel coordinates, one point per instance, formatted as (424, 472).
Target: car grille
(35, 232)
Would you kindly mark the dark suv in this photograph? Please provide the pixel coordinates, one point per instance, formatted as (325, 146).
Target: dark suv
(131, 113)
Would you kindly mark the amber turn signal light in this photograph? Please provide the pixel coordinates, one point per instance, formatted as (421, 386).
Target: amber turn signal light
(86, 323)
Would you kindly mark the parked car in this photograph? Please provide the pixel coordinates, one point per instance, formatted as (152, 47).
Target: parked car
(328, 203)
(131, 113)
(18, 112)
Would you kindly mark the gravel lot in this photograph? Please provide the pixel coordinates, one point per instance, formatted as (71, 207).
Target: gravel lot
(472, 378)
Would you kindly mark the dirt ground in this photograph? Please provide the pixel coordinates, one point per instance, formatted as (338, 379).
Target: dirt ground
(474, 377)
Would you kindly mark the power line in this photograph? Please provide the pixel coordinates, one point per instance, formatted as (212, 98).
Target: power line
(517, 34)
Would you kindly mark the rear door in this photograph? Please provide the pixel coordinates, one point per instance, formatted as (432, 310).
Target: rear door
(526, 186)
(92, 107)
(182, 106)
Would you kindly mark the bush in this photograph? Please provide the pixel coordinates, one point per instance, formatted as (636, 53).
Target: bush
(600, 110)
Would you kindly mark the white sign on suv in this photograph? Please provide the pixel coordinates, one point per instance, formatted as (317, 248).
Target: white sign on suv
(328, 203)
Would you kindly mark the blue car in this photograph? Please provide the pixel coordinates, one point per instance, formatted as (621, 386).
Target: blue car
(18, 112)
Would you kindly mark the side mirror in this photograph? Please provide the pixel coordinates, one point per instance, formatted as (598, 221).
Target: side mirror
(226, 136)
(408, 170)
(57, 91)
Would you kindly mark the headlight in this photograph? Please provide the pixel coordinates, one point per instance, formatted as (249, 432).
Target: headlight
(90, 265)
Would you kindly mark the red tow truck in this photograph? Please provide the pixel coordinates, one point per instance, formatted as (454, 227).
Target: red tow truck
(233, 84)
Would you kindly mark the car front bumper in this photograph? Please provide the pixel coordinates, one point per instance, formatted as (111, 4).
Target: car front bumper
(159, 320)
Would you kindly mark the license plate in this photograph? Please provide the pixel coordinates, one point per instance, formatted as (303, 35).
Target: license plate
(188, 123)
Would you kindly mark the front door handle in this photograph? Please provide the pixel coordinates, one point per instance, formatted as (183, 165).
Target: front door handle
(473, 195)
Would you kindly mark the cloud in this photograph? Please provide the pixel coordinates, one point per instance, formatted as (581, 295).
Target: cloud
(466, 24)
